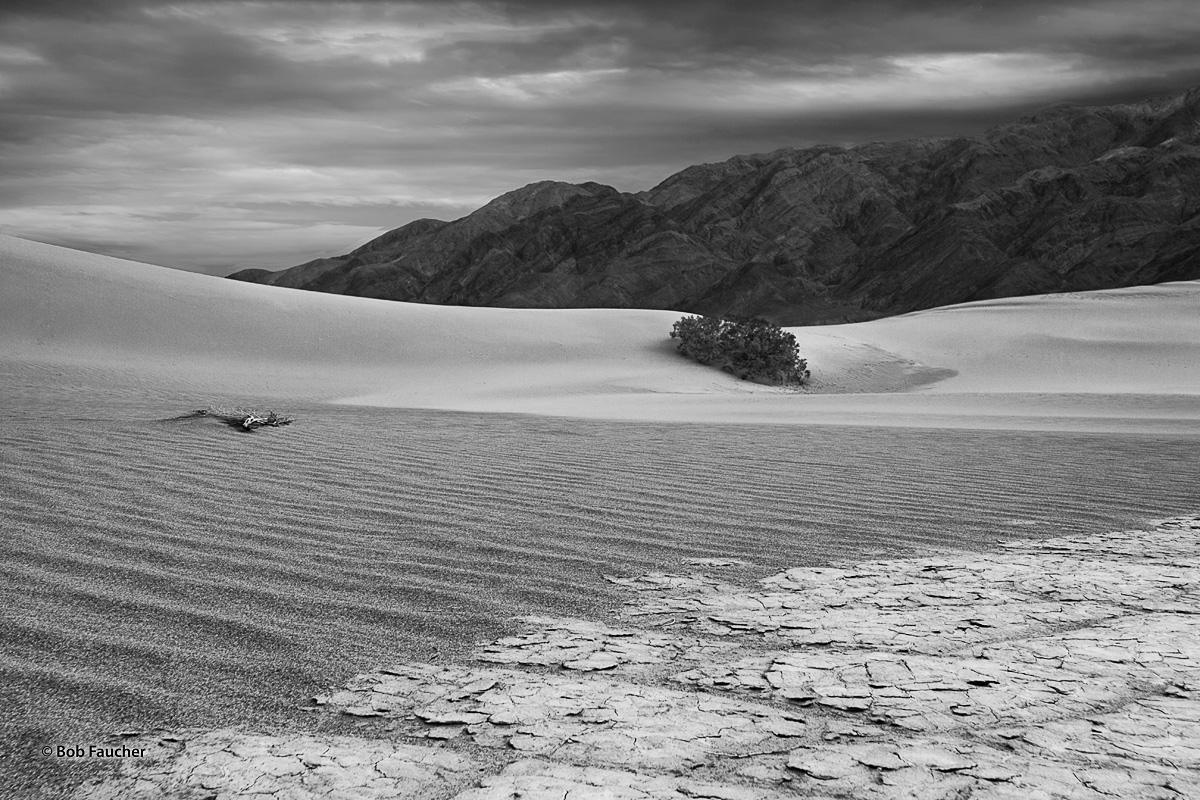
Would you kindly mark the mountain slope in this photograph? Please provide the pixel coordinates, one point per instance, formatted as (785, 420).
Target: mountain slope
(1066, 199)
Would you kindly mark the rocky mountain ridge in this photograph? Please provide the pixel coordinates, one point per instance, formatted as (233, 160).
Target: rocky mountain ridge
(1067, 199)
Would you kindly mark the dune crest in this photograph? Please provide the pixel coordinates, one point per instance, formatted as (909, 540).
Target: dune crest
(78, 322)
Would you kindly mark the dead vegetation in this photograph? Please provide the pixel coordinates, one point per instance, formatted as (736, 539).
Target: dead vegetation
(242, 419)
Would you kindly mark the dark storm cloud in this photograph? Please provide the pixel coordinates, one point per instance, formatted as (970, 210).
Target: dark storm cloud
(798, 32)
(216, 134)
(177, 66)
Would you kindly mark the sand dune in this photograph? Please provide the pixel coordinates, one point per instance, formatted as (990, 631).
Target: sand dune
(77, 323)
(160, 329)
(1143, 340)
(177, 574)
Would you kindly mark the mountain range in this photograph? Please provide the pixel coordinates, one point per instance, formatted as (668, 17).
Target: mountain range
(1067, 199)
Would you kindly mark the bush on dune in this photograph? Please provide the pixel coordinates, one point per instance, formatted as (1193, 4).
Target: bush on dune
(751, 348)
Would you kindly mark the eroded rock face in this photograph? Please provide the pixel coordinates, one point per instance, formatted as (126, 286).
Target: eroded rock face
(1068, 199)
(1065, 668)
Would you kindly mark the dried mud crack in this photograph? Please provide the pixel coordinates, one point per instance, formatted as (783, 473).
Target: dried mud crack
(1066, 668)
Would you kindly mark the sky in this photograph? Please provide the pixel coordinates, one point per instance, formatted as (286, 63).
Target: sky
(216, 135)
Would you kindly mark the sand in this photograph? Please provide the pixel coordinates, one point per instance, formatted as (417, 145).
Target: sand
(1065, 668)
(1112, 360)
(453, 468)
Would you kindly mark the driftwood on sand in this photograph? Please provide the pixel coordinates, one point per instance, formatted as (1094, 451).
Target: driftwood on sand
(268, 420)
(241, 419)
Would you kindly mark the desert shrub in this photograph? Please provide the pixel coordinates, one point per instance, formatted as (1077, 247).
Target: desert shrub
(751, 348)
(699, 338)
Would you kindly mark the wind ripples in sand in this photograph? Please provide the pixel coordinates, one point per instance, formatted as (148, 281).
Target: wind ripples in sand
(182, 573)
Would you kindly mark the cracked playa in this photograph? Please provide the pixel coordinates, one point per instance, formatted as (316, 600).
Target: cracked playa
(1063, 668)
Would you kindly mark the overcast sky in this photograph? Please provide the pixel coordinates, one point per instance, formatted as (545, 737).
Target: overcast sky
(217, 135)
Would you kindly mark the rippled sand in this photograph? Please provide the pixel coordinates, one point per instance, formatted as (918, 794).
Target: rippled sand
(179, 573)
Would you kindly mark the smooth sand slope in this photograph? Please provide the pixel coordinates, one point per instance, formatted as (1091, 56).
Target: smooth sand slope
(72, 322)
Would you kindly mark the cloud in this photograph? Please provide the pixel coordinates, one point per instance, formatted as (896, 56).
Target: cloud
(216, 134)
